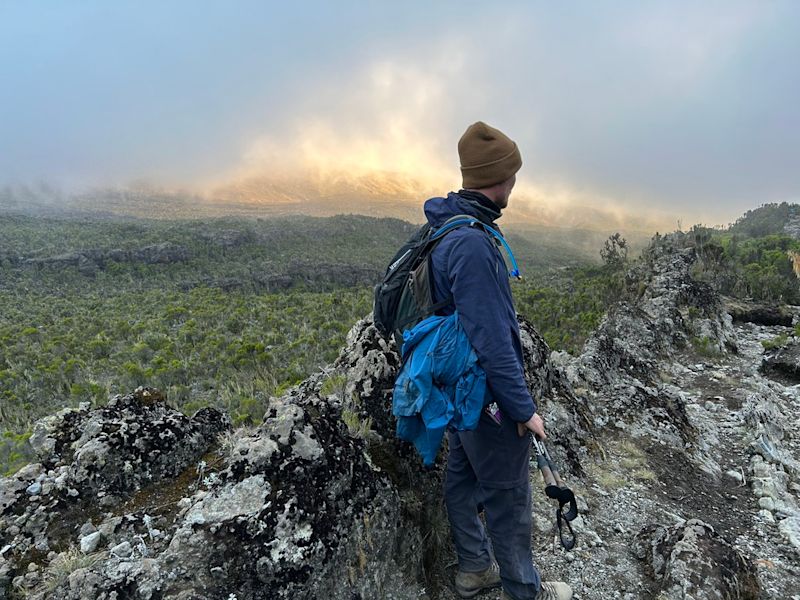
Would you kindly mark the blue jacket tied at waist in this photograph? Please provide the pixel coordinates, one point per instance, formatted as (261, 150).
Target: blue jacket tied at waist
(441, 384)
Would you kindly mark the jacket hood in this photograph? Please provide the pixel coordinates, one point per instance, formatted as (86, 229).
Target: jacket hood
(438, 210)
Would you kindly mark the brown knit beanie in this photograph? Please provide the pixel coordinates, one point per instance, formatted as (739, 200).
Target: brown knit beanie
(487, 156)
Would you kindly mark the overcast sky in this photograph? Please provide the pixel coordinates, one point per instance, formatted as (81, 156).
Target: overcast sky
(692, 107)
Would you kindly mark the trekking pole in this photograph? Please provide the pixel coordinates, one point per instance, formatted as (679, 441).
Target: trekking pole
(555, 488)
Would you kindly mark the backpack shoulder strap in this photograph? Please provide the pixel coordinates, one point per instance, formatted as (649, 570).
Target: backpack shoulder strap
(462, 220)
(454, 223)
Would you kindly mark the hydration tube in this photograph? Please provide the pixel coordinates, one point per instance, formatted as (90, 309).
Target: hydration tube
(514, 272)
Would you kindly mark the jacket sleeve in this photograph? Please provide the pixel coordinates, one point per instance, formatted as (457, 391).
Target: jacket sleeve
(474, 270)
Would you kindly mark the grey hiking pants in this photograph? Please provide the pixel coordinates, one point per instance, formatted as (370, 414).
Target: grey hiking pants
(488, 467)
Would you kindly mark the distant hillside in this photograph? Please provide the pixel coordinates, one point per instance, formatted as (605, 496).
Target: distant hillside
(769, 219)
(294, 252)
(757, 257)
(309, 253)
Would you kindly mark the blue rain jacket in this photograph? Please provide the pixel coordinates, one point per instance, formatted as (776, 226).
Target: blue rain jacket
(441, 384)
(468, 267)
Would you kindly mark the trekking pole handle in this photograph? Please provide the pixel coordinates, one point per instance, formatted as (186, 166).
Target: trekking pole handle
(542, 450)
(556, 475)
(545, 466)
(547, 473)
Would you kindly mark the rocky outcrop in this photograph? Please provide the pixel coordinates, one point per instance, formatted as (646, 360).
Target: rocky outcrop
(70, 259)
(743, 311)
(229, 238)
(90, 261)
(689, 560)
(666, 311)
(314, 275)
(226, 284)
(784, 361)
(307, 276)
(93, 465)
(291, 509)
(686, 428)
(792, 226)
(321, 501)
(163, 253)
(774, 469)
(275, 283)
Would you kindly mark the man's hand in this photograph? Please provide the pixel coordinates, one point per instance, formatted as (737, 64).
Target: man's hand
(534, 424)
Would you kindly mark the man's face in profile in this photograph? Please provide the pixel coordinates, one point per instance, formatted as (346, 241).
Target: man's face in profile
(502, 200)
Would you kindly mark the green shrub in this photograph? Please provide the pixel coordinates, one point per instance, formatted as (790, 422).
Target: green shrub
(777, 342)
(705, 346)
(15, 452)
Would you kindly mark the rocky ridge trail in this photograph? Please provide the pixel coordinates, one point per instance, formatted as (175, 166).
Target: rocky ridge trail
(682, 450)
(644, 492)
(694, 490)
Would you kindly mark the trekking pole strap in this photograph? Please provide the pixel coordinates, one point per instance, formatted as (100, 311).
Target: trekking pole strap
(565, 497)
(558, 491)
(568, 543)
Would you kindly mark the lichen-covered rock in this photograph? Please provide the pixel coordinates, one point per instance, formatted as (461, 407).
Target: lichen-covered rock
(133, 440)
(299, 512)
(670, 307)
(565, 414)
(690, 561)
(93, 461)
(293, 509)
(773, 468)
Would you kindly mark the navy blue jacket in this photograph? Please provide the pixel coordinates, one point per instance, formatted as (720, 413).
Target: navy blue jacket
(467, 265)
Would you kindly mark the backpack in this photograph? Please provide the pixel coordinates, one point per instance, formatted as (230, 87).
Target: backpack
(405, 296)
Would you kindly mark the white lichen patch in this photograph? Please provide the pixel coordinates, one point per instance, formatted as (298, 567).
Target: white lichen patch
(246, 498)
(281, 425)
(288, 533)
(305, 446)
(257, 450)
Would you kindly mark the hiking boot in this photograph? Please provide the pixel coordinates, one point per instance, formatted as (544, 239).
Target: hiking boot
(552, 590)
(471, 584)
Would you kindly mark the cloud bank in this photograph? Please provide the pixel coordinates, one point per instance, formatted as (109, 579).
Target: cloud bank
(681, 110)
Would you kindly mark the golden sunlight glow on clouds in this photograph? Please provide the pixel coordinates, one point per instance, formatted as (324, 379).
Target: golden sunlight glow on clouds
(386, 123)
(387, 141)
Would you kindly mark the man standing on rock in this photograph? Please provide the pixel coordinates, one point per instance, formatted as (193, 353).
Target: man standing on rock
(488, 467)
